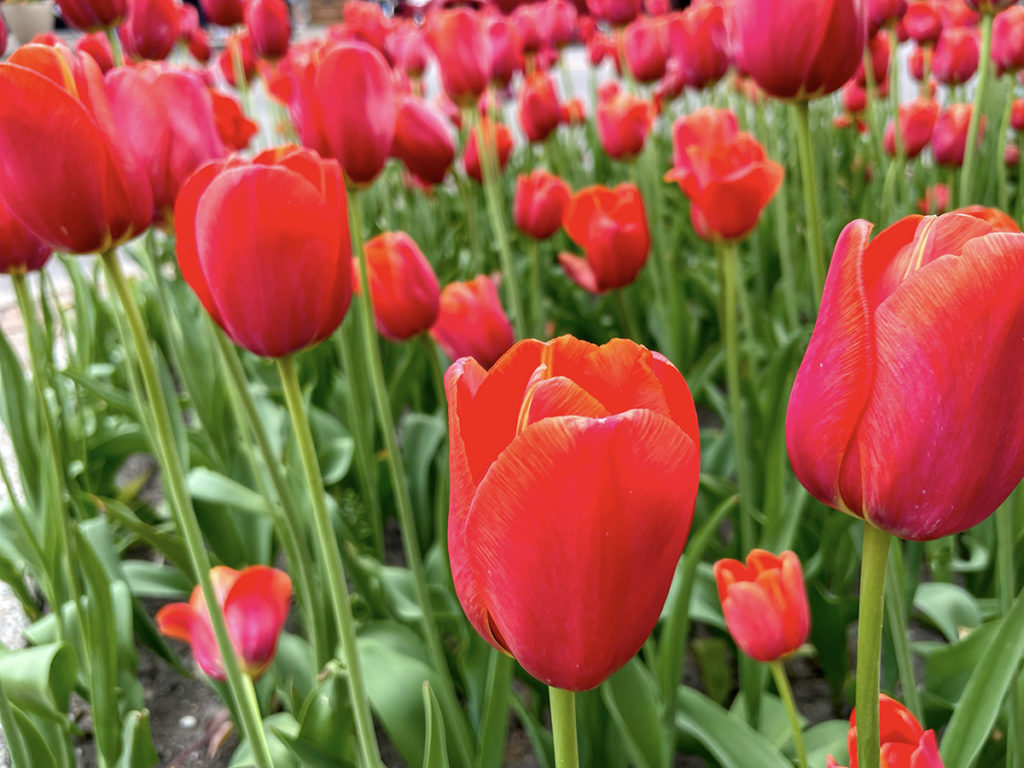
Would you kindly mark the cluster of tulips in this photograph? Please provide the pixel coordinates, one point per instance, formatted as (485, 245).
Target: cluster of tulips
(294, 209)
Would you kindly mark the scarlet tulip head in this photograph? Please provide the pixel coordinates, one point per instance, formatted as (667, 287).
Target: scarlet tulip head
(408, 48)
(151, 30)
(269, 26)
(949, 139)
(492, 131)
(610, 225)
(956, 55)
(615, 12)
(559, 23)
(1008, 40)
(103, 198)
(574, 473)
(917, 119)
(404, 288)
(1017, 115)
(233, 127)
(97, 45)
(93, 15)
(823, 43)
(878, 46)
(255, 602)
(423, 140)
(645, 45)
(199, 46)
(20, 250)
(764, 603)
(472, 323)
(238, 48)
(463, 50)
(541, 200)
(923, 22)
(898, 414)
(904, 743)
(623, 122)
(539, 110)
(698, 41)
(226, 13)
(935, 200)
(265, 246)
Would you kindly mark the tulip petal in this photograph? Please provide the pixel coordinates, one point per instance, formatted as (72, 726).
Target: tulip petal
(186, 247)
(576, 506)
(175, 620)
(255, 611)
(754, 621)
(560, 396)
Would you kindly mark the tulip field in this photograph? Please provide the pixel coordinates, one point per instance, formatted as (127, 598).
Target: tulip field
(542, 385)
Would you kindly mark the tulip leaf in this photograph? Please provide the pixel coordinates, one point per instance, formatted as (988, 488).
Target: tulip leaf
(279, 727)
(334, 447)
(978, 708)
(326, 732)
(435, 750)
(631, 696)
(30, 742)
(137, 742)
(827, 738)
(214, 488)
(167, 544)
(950, 607)
(727, 738)
(39, 680)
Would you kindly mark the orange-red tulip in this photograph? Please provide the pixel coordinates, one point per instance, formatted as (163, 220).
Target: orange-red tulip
(404, 288)
(541, 200)
(423, 140)
(151, 30)
(623, 122)
(917, 119)
(269, 26)
(949, 139)
(492, 131)
(1000, 221)
(539, 110)
(472, 322)
(899, 413)
(20, 250)
(462, 48)
(574, 473)
(904, 743)
(234, 128)
(238, 47)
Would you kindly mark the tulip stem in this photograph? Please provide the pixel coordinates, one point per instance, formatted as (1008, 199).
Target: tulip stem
(494, 719)
(403, 502)
(813, 229)
(786, 694)
(780, 214)
(971, 147)
(894, 93)
(536, 291)
(896, 612)
(869, 643)
(563, 728)
(181, 503)
(1004, 126)
(1007, 588)
(115, 46)
(331, 558)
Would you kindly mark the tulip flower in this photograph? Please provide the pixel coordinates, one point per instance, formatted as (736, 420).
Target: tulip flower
(883, 13)
(269, 27)
(170, 143)
(265, 246)
(103, 198)
(935, 200)
(20, 250)
(502, 136)
(615, 12)
(539, 110)
(1017, 114)
(462, 48)
(923, 22)
(917, 119)
(472, 323)
(151, 30)
(878, 47)
(97, 45)
(899, 412)
(541, 200)
(1000, 221)
(611, 227)
(403, 286)
(822, 41)
(559, 23)
(949, 139)
(359, 128)
(238, 47)
(765, 603)
(623, 122)
(574, 474)
(423, 140)
(226, 13)
(255, 602)
(527, 21)
(725, 173)
(905, 744)
(956, 56)
(367, 22)
(1008, 40)
(698, 41)
(233, 127)
(956, 13)
(645, 48)
(199, 46)
(505, 48)
(93, 15)
(407, 47)
(573, 112)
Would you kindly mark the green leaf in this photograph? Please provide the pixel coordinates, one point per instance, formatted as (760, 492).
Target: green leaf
(827, 738)
(167, 544)
(949, 607)
(947, 668)
(435, 750)
(148, 579)
(214, 488)
(727, 738)
(631, 696)
(334, 446)
(137, 746)
(326, 730)
(40, 679)
(279, 726)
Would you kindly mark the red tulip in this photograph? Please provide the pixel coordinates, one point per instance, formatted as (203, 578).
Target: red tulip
(574, 474)
(502, 137)
(573, 112)
(360, 127)
(255, 603)
(539, 110)
(698, 41)
(472, 323)
(269, 26)
(97, 45)
(917, 119)
(188, 21)
(3, 35)
(899, 411)
(623, 122)
(610, 225)
(724, 172)
(226, 13)
(20, 250)
(764, 603)
(883, 13)
(151, 30)
(1008, 40)
(407, 47)
(904, 743)
(879, 49)
(103, 198)
(923, 22)
(956, 13)
(505, 48)
(527, 20)
(93, 15)
(1001, 222)
(233, 127)
(559, 23)
(366, 22)
(645, 47)
(265, 246)
(1017, 115)
(935, 200)
(600, 47)
(404, 288)
(238, 48)
(949, 139)
(199, 46)
(956, 56)
(541, 200)
(615, 12)
(462, 47)
(822, 41)
(170, 143)
(423, 140)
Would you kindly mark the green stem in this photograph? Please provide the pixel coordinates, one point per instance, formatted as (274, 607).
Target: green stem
(869, 643)
(896, 613)
(174, 481)
(786, 693)
(536, 291)
(494, 721)
(331, 557)
(403, 502)
(894, 91)
(115, 46)
(971, 147)
(780, 214)
(1007, 587)
(563, 728)
(628, 326)
(1004, 128)
(813, 230)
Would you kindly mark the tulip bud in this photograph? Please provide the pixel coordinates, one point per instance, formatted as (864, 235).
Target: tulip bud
(423, 140)
(917, 119)
(904, 743)
(472, 323)
(492, 131)
(623, 122)
(541, 200)
(269, 26)
(403, 286)
(151, 30)
(539, 110)
(93, 15)
(645, 45)
(20, 250)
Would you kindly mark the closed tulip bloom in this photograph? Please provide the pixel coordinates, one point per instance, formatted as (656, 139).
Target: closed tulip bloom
(615, 12)
(423, 140)
(956, 13)
(559, 23)
(935, 200)
(573, 112)
(882, 13)
(462, 48)
(527, 19)
(764, 603)
(233, 127)
(265, 246)
(151, 30)
(956, 56)
(472, 322)
(93, 15)
(505, 48)
(574, 473)
(1017, 115)
(404, 288)
(255, 602)
(917, 119)
(645, 45)
(899, 412)
(949, 139)
(97, 45)
(226, 13)
(539, 110)
(610, 225)
(360, 127)
(541, 200)
(923, 22)
(492, 131)
(367, 23)
(199, 46)
(408, 48)
(103, 198)
(878, 46)
(904, 743)
(698, 41)
(623, 122)
(20, 250)
(1008, 40)
(822, 40)
(269, 26)
(1000, 221)
(238, 46)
